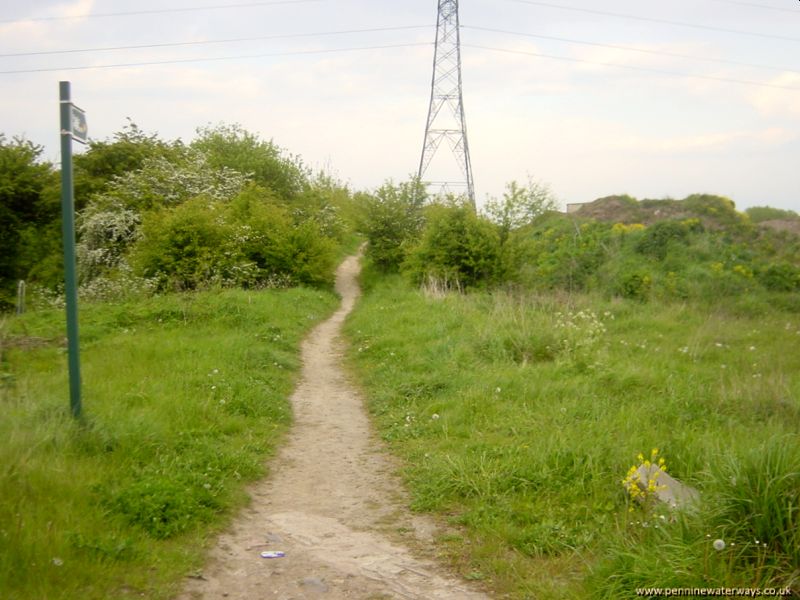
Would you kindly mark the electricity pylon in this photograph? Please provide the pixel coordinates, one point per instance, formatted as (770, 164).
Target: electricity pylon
(446, 112)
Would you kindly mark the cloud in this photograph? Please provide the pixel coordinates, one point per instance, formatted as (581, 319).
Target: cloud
(76, 8)
(774, 102)
(721, 141)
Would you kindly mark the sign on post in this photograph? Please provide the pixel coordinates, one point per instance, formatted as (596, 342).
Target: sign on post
(80, 131)
(73, 127)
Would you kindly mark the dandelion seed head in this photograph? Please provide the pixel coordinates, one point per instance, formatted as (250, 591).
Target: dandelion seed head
(719, 545)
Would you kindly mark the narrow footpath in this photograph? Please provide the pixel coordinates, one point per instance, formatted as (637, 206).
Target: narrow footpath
(331, 503)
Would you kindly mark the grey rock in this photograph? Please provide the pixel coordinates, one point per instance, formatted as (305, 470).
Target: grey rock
(668, 489)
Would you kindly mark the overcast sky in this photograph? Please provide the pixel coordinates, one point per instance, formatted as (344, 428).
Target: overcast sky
(587, 129)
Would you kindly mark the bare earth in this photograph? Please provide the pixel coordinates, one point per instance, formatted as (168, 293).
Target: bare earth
(332, 503)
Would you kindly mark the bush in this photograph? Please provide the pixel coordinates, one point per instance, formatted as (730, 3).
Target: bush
(560, 253)
(656, 239)
(250, 242)
(456, 246)
(718, 210)
(392, 219)
(759, 214)
(179, 246)
(781, 277)
(635, 286)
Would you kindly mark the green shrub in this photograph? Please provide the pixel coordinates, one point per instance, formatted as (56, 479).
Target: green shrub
(456, 246)
(657, 238)
(560, 253)
(759, 214)
(250, 242)
(268, 243)
(718, 210)
(635, 286)
(392, 220)
(180, 246)
(781, 277)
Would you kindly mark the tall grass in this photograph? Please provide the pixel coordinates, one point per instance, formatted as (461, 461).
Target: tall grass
(519, 415)
(184, 398)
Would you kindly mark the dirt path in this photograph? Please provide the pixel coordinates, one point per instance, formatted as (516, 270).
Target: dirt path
(331, 504)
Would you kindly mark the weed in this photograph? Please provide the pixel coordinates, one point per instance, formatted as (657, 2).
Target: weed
(527, 452)
(184, 397)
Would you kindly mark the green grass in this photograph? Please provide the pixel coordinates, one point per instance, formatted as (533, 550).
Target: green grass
(184, 399)
(518, 425)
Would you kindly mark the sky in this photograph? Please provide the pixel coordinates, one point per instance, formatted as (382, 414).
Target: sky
(708, 103)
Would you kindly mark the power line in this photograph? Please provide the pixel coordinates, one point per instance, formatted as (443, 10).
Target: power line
(212, 59)
(654, 20)
(158, 11)
(208, 42)
(634, 68)
(632, 49)
(763, 6)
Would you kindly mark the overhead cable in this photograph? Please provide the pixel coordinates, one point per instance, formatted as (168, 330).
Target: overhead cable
(634, 68)
(660, 21)
(763, 6)
(157, 11)
(211, 59)
(632, 49)
(209, 42)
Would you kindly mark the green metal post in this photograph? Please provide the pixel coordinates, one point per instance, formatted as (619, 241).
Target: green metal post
(68, 231)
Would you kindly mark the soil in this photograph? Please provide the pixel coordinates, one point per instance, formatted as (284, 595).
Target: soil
(792, 226)
(332, 504)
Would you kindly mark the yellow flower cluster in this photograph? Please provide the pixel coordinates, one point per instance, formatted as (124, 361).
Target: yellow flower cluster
(640, 490)
(623, 228)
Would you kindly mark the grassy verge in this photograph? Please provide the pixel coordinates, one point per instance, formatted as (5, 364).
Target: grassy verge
(184, 398)
(519, 416)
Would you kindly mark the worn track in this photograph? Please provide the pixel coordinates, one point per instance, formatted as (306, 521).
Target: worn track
(332, 503)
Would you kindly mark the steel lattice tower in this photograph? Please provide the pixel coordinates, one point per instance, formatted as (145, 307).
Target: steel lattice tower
(446, 112)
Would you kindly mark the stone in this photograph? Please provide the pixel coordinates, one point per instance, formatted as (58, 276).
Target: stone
(315, 584)
(668, 489)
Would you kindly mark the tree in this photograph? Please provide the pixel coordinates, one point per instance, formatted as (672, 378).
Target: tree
(519, 206)
(232, 147)
(107, 160)
(28, 206)
(392, 219)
